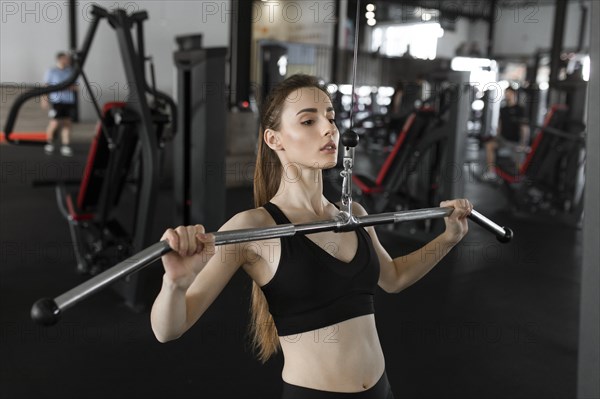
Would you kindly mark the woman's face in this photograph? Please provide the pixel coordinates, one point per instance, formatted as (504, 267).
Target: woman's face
(307, 134)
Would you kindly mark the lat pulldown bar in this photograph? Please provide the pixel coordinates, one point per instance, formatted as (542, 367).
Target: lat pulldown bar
(47, 311)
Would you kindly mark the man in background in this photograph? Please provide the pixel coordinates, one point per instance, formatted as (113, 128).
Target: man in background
(512, 132)
(60, 105)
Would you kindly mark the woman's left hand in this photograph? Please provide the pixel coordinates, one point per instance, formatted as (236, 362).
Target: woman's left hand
(456, 224)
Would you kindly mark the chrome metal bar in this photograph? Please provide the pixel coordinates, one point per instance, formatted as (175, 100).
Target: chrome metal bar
(245, 235)
(488, 224)
(122, 269)
(47, 311)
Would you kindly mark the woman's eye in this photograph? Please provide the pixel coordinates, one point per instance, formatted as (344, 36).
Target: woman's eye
(308, 122)
(332, 121)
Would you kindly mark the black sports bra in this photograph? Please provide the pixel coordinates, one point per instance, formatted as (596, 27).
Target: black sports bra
(312, 289)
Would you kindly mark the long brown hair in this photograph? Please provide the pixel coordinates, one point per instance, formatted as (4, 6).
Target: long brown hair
(267, 177)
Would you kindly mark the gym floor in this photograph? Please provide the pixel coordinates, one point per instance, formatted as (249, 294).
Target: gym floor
(490, 321)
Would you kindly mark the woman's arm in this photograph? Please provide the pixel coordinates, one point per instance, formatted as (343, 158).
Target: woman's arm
(409, 269)
(401, 272)
(195, 276)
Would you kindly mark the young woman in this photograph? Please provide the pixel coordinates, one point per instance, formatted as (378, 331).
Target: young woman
(312, 296)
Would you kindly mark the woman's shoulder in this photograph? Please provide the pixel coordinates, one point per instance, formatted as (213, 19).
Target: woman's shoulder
(248, 219)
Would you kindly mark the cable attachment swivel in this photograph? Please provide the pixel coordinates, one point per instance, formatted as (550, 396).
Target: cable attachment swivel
(345, 218)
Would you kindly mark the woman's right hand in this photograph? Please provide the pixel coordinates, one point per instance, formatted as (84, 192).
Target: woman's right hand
(191, 250)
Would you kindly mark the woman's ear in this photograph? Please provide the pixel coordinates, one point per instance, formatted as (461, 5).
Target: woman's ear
(273, 140)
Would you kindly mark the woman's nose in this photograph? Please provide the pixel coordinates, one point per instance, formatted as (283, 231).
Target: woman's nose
(329, 129)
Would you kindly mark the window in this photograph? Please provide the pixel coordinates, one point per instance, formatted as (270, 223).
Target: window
(418, 40)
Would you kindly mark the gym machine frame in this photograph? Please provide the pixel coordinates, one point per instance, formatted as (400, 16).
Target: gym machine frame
(47, 311)
(133, 60)
(551, 179)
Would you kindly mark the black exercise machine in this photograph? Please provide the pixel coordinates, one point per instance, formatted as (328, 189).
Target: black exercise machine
(97, 236)
(126, 148)
(199, 148)
(550, 181)
(386, 181)
(376, 129)
(415, 174)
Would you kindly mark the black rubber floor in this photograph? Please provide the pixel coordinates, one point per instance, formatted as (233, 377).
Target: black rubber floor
(491, 320)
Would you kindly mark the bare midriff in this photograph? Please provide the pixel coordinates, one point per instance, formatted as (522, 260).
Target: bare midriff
(344, 357)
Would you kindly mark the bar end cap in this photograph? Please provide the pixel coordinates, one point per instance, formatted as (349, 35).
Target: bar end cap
(45, 312)
(508, 235)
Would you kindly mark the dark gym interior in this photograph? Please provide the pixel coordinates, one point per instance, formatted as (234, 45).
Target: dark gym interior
(178, 87)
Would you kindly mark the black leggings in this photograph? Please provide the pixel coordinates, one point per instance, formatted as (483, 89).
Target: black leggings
(381, 390)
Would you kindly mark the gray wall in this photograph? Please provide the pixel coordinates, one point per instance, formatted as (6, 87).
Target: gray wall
(448, 43)
(32, 32)
(30, 35)
(525, 28)
(588, 384)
